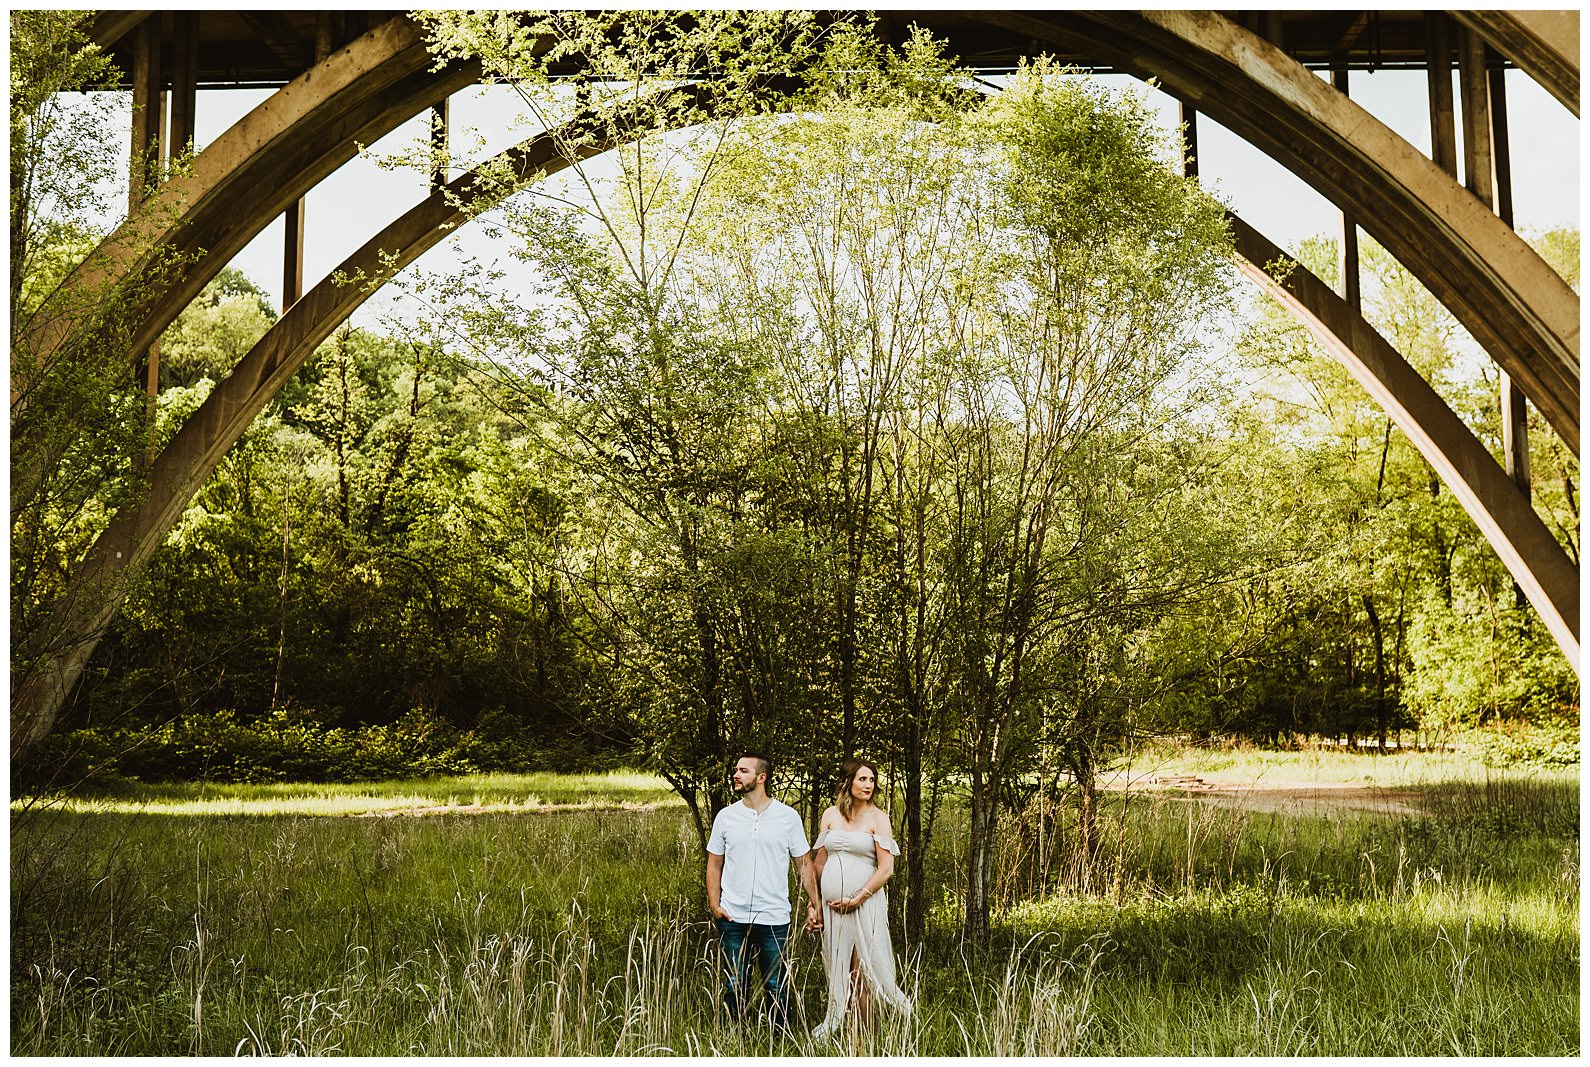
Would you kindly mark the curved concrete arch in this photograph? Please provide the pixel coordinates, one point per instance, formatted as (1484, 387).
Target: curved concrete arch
(1519, 310)
(1498, 507)
(1544, 44)
(1514, 305)
(1473, 475)
(233, 404)
(252, 172)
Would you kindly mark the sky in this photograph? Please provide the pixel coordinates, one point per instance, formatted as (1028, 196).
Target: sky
(356, 202)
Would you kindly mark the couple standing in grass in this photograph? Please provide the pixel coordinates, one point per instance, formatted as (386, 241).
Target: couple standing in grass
(748, 857)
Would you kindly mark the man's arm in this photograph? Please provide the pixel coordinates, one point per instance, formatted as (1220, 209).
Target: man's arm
(715, 885)
(808, 877)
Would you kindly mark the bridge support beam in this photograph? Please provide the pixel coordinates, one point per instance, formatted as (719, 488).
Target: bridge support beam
(1532, 555)
(135, 533)
(1544, 44)
(1519, 310)
(256, 169)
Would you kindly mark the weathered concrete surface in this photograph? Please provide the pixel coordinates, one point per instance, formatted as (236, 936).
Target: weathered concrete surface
(1544, 44)
(252, 172)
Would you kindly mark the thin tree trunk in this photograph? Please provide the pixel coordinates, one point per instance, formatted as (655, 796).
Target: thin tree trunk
(915, 860)
(1087, 815)
(281, 643)
(1380, 670)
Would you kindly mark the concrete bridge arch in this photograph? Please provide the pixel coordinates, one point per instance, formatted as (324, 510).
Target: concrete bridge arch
(1523, 314)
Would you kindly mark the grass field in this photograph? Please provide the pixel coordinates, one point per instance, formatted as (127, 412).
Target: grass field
(172, 920)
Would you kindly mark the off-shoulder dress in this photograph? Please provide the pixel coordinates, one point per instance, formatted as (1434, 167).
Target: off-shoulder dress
(864, 932)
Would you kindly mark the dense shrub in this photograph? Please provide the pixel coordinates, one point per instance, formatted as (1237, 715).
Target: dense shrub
(292, 745)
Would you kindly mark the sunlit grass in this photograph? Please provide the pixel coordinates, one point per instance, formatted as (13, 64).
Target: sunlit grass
(1319, 765)
(1207, 931)
(472, 794)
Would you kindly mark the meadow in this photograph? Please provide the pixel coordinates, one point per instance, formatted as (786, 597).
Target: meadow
(563, 916)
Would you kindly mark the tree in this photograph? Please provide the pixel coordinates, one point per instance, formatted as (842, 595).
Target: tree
(829, 246)
(1095, 264)
(77, 420)
(651, 409)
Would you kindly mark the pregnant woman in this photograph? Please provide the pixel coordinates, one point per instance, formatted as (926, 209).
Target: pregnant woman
(855, 857)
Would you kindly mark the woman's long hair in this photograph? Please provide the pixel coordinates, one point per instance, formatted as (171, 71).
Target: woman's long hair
(847, 775)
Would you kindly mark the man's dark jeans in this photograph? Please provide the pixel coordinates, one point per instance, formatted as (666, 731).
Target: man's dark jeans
(765, 941)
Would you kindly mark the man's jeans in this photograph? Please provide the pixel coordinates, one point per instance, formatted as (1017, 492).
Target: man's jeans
(765, 941)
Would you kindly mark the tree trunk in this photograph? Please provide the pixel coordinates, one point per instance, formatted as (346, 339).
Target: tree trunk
(915, 860)
(983, 825)
(1087, 815)
(1381, 711)
(281, 645)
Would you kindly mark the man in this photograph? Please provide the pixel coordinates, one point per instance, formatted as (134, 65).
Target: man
(748, 857)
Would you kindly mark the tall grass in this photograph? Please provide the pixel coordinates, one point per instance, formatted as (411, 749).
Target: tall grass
(1207, 931)
(525, 793)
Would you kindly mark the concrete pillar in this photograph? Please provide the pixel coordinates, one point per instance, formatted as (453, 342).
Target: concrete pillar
(184, 80)
(146, 104)
(292, 253)
(325, 34)
(1487, 172)
(1515, 425)
(1443, 115)
(1347, 247)
(1475, 94)
(293, 217)
(441, 115)
(144, 164)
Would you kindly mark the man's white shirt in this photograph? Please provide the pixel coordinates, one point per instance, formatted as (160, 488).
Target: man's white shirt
(757, 848)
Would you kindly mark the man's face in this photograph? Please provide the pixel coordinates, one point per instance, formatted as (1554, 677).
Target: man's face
(744, 777)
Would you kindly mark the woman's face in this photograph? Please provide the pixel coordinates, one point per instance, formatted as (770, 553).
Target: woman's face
(863, 784)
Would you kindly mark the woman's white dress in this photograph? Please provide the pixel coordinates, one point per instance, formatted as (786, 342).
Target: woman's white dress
(852, 860)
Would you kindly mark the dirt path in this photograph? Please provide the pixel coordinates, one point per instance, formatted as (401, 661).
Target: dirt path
(1276, 795)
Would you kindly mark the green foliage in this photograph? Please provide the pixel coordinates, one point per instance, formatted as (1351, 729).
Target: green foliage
(290, 745)
(418, 541)
(893, 423)
(215, 331)
(1395, 611)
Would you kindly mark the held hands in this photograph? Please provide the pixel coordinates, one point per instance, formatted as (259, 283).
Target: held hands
(814, 918)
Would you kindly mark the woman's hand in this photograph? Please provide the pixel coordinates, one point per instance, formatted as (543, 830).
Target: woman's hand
(843, 905)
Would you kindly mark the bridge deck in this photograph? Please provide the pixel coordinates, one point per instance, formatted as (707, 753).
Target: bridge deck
(255, 49)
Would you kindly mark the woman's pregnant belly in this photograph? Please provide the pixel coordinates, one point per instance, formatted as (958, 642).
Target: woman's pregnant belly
(845, 875)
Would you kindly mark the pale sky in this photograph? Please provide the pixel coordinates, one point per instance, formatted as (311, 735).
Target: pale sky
(353, 204)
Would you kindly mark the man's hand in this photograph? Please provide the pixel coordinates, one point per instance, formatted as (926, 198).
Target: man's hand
(814, 918)
(717, 911)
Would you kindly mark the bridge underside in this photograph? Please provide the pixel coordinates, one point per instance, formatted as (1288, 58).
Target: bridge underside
(345, 78)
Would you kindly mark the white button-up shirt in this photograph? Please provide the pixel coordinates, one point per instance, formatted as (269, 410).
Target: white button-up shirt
(757, 848)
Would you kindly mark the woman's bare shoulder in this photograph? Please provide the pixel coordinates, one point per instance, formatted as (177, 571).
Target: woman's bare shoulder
(830, 818)
(878, 822)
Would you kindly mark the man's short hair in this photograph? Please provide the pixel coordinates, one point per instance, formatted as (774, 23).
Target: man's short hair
(762, 758)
